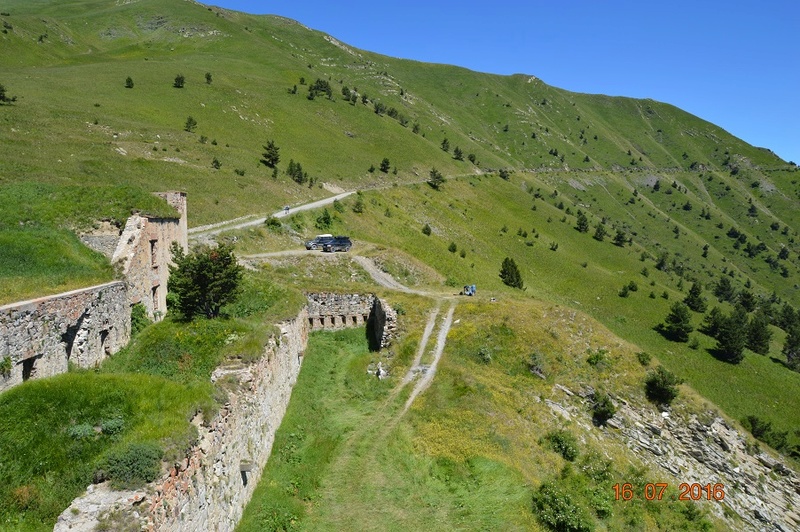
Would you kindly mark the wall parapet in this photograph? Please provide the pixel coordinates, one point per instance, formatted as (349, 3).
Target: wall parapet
(332, 311)
(210, 487)
(42, 336)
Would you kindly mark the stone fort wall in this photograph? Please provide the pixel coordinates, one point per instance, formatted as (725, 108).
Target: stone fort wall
(210, 487)
(41, 336)
(330, 311)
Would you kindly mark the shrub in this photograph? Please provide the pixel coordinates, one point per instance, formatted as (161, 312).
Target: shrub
(5, 367)
(426, 230)
(556, 509)
(661, 386)
(201, 282)
(603, 408)
(134, 464)
(113, 426)
(596, 358)
(485, 355)
(564, 443)
(129, 82)
(81, 431)
(179, 81)
(452, 248)
(139, 319)
(190, 125)
(643, 358)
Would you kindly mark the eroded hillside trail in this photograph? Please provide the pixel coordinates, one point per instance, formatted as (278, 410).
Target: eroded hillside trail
(361, 458)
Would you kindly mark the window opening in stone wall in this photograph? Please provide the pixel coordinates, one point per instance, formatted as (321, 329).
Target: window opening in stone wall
(155, 298)
(355, 320)
(344, 321)
(29, 368)
(103, 347)
(153, 250)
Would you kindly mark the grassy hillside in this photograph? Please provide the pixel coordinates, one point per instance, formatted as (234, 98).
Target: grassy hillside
(691, 202)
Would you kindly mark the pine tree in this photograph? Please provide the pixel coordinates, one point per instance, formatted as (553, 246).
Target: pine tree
(712, 322)
(732, 336)
(724, 289)
(129, 82)
(436, 179)
(791, 348)
(599, 232)
(271, 155)
(458, 155)
(694, 299)
(385, 165)
(678, 323)
(758, 333)
(582, 223)
(620, 238)
(510, 275)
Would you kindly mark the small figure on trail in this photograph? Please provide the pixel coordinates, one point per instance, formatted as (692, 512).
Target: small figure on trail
(286, 210)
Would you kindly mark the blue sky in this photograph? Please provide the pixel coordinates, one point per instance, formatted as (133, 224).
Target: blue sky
(734, 63)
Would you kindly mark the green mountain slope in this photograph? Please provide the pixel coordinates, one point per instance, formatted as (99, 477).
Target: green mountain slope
(691, 202)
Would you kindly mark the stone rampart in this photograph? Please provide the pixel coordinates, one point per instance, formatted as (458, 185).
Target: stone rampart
(329, 311)
(209, 489)
(42, 336)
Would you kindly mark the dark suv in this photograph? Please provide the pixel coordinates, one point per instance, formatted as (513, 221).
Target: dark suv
(339, 243)
(318, 241)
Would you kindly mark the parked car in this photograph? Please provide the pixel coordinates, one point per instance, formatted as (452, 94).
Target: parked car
(318, 241)
(339, 243)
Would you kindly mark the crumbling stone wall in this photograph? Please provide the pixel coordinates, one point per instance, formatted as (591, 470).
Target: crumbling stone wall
(329, 311)
(143, 254)
(82, 326)
(209, 489)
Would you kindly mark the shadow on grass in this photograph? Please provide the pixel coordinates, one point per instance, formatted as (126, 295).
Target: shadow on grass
(780, 362)
(722, 356)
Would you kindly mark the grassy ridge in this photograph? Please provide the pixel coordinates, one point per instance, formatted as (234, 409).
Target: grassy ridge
(45, 464)
(469, 454)
(57, 433)
(484, 215)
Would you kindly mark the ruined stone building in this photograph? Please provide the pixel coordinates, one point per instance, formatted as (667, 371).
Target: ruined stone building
(42, 336)
(143, 254)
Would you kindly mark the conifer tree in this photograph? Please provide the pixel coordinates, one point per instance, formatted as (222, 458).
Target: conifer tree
(791, 349)
(694, 299)
(510, 275)
(758, 333)
(678, 323)
(599, 232)
(271, 155)
(582, 223)
(732, 336)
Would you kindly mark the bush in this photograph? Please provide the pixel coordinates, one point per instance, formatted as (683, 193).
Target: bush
(661, 386)
(564, 443)
(603, 408)
(113, 426)
(201, 282)
(556, 509)
(134, 465)
(643, 358)
(426, 230)
(139, 319)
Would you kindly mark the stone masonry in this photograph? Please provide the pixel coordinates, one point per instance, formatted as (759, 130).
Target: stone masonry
(209, 489)
(338, 311)
(42, 336)
(143, 254)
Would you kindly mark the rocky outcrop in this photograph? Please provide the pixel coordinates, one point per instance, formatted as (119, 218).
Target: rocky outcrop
(42, 336)
(705, 449)
(701, 449)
